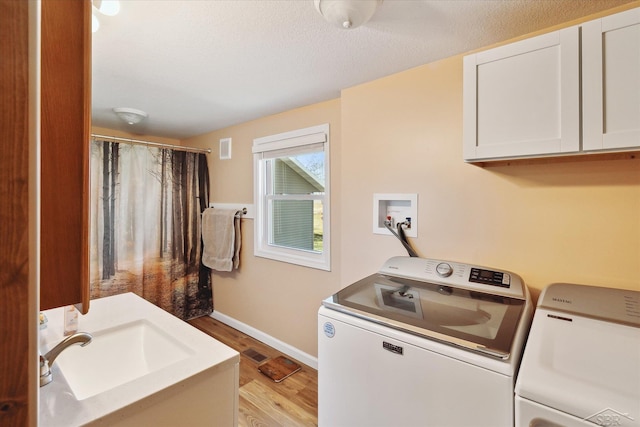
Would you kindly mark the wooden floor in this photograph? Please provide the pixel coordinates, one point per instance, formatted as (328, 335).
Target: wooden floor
(263, 402)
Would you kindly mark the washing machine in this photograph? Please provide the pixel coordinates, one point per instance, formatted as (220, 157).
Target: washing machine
(422, 342)
(581, 364)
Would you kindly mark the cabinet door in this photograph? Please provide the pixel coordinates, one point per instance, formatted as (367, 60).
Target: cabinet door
(611, 81)
(65, 133)
(523, 99)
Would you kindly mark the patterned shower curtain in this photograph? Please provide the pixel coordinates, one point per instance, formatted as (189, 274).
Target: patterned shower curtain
(146, 206)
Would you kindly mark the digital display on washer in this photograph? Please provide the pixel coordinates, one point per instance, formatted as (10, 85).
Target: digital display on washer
(488, 277)
(433, 310)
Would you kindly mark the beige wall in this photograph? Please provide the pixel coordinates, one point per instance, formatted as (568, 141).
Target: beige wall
(549, 222)
(274, 297)
(574, 221)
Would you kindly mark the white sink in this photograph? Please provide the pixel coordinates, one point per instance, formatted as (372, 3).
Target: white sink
(142, 367)
(118, 355)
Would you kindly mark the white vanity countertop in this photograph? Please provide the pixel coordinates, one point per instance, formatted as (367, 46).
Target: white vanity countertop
(58, 404)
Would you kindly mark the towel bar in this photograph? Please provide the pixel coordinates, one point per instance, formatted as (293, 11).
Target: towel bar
(239, 214)
(246, 211)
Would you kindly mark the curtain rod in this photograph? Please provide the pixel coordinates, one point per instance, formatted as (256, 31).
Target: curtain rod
(155, 144)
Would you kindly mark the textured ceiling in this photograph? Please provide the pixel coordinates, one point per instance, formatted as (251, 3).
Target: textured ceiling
(197, 66)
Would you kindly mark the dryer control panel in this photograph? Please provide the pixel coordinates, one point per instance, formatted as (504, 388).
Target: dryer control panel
(609, 304)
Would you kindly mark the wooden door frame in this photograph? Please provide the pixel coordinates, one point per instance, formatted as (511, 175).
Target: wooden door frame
(18, 212)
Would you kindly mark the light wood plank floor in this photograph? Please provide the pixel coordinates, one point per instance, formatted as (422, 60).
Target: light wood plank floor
(263, 402)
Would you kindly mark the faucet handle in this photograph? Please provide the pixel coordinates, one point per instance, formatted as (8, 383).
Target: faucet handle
(45, 372)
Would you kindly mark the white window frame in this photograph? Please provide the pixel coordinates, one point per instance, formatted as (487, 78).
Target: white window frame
(315, 135)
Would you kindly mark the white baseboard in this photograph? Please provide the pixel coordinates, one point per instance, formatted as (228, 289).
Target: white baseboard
(281, 346)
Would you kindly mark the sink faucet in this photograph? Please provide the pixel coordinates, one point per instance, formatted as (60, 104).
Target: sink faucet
(46, 361)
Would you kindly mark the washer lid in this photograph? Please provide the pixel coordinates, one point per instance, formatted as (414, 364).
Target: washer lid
(474, 320)
(581, 364)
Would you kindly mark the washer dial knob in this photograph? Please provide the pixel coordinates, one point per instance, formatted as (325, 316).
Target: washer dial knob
(444, 270)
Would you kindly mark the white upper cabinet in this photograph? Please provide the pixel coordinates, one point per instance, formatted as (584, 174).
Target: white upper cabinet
(525, 99)
(522, 99)
(611, 82)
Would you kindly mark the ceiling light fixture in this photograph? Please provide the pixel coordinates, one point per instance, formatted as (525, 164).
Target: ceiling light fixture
(130, 115)
(105, 7)
(347, 14)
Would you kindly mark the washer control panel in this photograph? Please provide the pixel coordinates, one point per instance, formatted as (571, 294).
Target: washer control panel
(457, 275)
(490, 277)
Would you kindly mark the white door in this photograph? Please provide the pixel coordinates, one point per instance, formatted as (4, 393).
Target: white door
(523, 99)
(611, 81)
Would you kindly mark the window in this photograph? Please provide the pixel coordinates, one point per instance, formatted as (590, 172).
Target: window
(291, 191)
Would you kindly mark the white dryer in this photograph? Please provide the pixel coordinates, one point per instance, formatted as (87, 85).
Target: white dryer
(581, 364)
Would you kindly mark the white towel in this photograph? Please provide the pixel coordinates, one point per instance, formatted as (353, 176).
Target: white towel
(221, 238)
